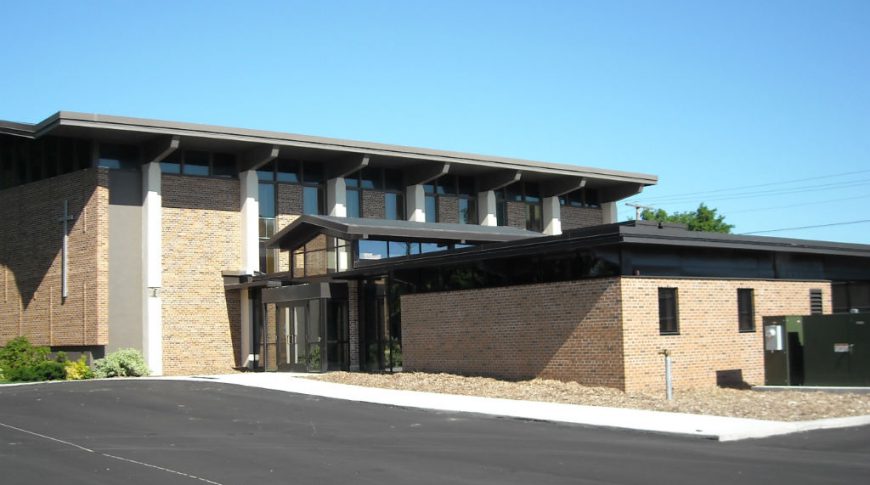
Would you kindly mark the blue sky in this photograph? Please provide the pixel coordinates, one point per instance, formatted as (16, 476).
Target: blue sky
(759, 109)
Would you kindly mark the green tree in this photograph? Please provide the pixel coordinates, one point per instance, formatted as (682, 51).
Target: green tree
(702, 219)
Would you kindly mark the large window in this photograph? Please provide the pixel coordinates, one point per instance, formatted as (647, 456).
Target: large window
(319, 256)
(462, 189)
(118, 157)
(581, 198)
(526, 193)
(668, 314)
(200, 163)
(386, 181)
(746, 309)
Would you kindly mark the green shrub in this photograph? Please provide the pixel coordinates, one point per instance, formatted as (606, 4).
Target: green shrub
(121, 363)
(18, 354)
(47, 370)
(76, 370)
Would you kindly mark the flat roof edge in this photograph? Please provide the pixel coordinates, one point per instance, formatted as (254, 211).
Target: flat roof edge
(72, 118)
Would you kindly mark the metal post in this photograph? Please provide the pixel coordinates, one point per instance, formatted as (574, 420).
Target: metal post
(669, 384)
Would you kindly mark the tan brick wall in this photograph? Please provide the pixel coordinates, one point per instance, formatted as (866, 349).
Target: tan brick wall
(30, 261)
(567, 331)
(709, 340)
(289, 207)
(201, 238)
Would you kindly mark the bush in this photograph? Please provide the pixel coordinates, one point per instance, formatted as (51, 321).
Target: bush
(47, 370)
(19, 354)
(76, 370)
(121, 363)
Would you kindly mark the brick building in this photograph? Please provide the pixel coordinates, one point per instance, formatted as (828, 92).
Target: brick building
(215, 248)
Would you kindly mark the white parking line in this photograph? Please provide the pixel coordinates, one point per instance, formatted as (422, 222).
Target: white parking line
(113, 457)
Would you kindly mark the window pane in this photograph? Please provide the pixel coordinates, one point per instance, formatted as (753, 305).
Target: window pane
(311, 200)
(668, 322)
(370, 178)
(431, 209)
(224, 165)
(195, 163)
(266, 172)
(353, 203)
(534, 218)
(267, 200)
(431, 247)
(372, 249)
(398, 249)
(393, 180)
(267, 227)
(115, 156)
(466, 186)
(287, 171)
(745, 310)
(352, 181)
(466, 209)
(312, 172)
(392, 207)
(172, 163)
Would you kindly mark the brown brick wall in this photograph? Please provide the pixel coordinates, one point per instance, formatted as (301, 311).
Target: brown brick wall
(566, 331)
(289, 207)
(448, 209)
(709, 340)
(31, 239)
(373, 205)
(516, 214)
(201, 238)
(353, 317)
(574, 217)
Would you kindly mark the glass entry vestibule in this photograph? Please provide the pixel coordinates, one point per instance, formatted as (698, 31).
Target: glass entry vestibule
(307, 328)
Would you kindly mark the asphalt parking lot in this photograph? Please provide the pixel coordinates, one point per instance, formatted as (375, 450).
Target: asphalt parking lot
(148, 431)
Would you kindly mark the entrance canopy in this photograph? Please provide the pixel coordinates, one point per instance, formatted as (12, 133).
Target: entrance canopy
(306, 227)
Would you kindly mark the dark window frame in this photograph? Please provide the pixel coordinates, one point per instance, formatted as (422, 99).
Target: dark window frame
(669, 311)
(526, 193)
(746, 310)
(382, 182)
(456, 187)
(179, 158)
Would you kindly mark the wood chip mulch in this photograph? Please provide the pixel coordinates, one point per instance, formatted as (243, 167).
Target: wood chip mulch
(774, 406)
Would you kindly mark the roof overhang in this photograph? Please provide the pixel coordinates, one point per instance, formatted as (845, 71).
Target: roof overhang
(304, 228)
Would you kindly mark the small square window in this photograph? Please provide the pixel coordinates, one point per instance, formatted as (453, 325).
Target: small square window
(668, 317)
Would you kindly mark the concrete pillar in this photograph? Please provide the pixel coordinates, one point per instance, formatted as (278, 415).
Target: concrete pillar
(250, 201)
(486, 208)
(415, 202)
(552, 216)
(250, 194)
(152, 267)
(608, 213)
(336, 197)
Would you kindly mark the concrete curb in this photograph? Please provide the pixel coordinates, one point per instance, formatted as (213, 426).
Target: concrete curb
(695, 425)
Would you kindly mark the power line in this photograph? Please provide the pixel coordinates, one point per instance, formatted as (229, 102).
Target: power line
(789, 206)
(766, 184)
(763, 193)
(807, 227)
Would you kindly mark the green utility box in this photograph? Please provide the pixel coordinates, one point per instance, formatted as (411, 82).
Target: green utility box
(817, 350)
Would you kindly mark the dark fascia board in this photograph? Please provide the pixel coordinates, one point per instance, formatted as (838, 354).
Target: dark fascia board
(676, 237)
(618, 234)
(305, 227)
(140, 125)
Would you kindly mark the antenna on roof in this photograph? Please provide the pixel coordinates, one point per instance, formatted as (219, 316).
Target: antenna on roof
(637, 208)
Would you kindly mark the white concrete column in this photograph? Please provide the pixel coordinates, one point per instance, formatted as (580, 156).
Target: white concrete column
(250, 191)
(415, 202)
(336, 197)
(552, 216)
(250, 202)
(152, 267)
(486, 208)
(608, 213)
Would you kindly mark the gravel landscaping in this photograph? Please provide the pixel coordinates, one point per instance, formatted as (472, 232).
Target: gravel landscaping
(775, 406)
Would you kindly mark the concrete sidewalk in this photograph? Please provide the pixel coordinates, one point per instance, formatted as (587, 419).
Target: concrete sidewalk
(710, 427)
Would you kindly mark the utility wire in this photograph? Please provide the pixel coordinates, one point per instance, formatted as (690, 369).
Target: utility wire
(789, 206)
(806, 227)
(767, 184)
(766, 193)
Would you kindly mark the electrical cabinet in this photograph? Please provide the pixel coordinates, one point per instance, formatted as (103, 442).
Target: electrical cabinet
(817, 350)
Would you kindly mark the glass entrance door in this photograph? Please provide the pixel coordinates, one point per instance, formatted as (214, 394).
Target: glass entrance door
(300, 340)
